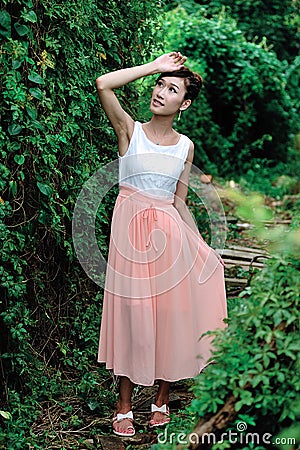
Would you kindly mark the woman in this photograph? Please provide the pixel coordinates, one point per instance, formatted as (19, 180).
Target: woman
(164, 285)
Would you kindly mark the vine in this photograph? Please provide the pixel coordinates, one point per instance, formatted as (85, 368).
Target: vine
(53, 137)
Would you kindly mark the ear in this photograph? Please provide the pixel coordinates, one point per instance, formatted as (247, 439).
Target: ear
(185, 104)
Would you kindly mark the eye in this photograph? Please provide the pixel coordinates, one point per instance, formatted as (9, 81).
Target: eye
(159, 83)
(172, 89)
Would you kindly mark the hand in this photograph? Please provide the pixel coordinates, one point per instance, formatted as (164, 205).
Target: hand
(169, 62)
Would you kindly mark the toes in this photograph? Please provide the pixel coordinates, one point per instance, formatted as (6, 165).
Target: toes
(124, 427)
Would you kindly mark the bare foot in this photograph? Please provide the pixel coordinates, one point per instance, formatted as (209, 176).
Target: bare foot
(159, 419)
(123, 426)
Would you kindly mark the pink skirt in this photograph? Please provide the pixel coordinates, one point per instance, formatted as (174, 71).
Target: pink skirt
(164, 288)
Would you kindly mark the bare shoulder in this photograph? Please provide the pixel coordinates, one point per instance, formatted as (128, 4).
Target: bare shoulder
(190, 155)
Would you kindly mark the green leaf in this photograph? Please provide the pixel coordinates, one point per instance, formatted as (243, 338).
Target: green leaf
(45, 189)
(37, 125)
(21, 29)
(29, 60)
(13, 187)
(44, 218)
(36, 93)
(16, 63)
(5, 414)
(35, 78)
(30, 16)
(93, 404)
(19, 159)
(5, 24)
(281, 377)
(239, 405)
(14, 129)
(32, 112)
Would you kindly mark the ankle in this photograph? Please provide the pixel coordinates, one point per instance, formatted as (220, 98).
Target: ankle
(123, 407)
(160, 401)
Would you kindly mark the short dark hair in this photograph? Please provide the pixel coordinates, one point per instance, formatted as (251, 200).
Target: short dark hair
(193, 81)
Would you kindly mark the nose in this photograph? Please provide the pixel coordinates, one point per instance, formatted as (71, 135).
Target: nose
(161, 91)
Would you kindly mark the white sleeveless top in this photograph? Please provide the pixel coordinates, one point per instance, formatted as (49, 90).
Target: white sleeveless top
(150, 167)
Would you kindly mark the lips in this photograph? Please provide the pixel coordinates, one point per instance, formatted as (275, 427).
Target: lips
(157, 102)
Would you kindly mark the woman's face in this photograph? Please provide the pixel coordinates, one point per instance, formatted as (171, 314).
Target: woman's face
(168, 96)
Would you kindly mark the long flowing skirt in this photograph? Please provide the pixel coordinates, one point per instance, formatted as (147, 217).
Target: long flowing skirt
(164, 289)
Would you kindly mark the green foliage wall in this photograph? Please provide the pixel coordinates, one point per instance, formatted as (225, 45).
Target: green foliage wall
(247, 110)
(276, 20)
(53, 137)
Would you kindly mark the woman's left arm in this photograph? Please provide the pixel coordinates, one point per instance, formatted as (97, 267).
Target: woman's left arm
(182, 190)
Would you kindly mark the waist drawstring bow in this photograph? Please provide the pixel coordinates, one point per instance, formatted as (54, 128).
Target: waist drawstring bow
(150, 214)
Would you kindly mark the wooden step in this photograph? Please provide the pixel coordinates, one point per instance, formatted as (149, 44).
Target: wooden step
(242, 252)
(235, 282)
(244, 264)
(242, 257)
(247, 249)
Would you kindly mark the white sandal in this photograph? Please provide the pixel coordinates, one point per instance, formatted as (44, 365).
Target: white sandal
(164, 409)
(130, 431)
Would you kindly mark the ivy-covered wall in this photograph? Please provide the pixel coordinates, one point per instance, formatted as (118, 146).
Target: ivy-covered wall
(53, 137)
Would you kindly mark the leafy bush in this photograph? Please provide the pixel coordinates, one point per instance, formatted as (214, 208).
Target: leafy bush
(277, 21)
(53, 137)
(272, 181)
(245, 113)
(256, 359)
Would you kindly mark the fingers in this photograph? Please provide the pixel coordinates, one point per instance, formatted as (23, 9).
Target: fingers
(169, 62)
(178, 58)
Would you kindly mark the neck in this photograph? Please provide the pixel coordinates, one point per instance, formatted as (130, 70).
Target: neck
(160, 128)
(162, 124)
